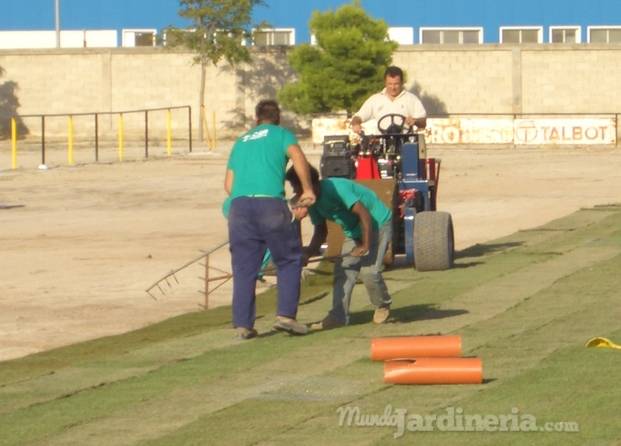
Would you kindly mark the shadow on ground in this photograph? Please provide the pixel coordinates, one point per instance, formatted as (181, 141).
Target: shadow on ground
(480, 250)
(409, 313)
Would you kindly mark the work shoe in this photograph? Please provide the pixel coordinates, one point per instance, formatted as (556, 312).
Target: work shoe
(326, 324)
(243, 333)
(381, 315)
(289, 325)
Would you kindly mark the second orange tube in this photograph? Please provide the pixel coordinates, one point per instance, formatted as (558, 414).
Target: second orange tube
(434, 371)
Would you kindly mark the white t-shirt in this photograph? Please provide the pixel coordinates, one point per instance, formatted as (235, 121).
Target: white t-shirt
(378, 105)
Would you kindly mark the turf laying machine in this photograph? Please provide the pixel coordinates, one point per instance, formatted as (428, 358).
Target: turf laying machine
(394, 165)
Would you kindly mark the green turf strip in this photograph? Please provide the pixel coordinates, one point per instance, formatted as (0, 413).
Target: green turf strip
(520, 303)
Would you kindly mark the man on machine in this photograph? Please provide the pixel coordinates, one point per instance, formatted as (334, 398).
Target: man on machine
(393, 99)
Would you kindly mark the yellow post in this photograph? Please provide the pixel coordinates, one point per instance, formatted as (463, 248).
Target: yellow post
(213, 121)
(206, 126)
(168, 132)
(70, 140)
(13, 143)
(120, 136)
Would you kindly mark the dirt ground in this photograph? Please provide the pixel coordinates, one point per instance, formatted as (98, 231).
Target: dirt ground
(80, 244)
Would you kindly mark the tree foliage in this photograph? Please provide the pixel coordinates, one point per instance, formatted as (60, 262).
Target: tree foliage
(345, 66)
(9, 103)
(217, 32)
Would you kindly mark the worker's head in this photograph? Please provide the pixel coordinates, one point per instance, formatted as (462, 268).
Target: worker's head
(296, 184)
(393, 81)
(267, 112)
(300, 213)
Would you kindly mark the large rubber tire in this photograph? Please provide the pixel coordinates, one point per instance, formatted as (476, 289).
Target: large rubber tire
(434, 248)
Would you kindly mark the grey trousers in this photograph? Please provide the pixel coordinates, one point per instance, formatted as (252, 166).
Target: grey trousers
(368, 268)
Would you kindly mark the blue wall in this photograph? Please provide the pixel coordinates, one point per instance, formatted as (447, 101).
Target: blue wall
(490, 14)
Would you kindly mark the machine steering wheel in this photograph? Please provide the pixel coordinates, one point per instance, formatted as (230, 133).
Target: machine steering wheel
(392, 123)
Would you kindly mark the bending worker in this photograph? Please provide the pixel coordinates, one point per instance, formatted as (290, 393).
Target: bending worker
(367, 224)
(393, 99)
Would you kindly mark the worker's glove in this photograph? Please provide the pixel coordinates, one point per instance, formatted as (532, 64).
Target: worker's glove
(306, 272)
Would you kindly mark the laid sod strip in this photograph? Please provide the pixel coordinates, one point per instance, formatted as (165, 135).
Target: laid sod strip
(71, 380)
(506, 355)
(586, 298)
(556, 229)
(197, 322)
(194, 433)
(571, 384)
(516, 302)
(176, 351)
(587, 236)
(109, 347)
(203, 372)
(502, 256)
(573, 280)
(266, 419)
(496, 295)
(192, 389)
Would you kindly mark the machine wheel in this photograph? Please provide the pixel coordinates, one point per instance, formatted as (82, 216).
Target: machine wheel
(433, 241)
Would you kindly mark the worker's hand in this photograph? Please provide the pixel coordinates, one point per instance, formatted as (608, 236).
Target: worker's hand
(300, 212)
(305, 273)
(307, 199)
(410, 122)
(359, 251)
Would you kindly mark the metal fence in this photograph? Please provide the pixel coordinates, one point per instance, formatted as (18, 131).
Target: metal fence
(92, 136)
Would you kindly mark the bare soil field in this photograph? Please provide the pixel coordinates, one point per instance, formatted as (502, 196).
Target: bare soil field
(80, 244)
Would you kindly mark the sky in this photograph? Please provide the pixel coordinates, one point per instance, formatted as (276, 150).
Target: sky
(120, 14)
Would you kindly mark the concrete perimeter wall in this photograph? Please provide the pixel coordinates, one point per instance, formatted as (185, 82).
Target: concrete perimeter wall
(451, 79)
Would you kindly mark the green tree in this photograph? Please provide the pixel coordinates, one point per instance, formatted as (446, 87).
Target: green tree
(345, 66)
(217, 31)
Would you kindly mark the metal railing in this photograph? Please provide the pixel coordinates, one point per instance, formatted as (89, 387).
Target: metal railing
(96, 135)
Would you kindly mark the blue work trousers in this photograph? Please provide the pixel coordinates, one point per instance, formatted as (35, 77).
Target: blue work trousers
(256, 224)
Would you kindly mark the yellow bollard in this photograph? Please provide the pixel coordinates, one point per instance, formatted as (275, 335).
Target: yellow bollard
(70, 138)
(213, 121)
(120, 136)
(168, 132)
(206, 127)
(13, 143)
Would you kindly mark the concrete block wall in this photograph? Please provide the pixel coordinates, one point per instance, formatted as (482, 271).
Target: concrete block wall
(459, 78)
(454, 79)
(572, 79)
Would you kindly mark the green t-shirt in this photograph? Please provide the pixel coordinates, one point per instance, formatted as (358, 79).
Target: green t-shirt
(337, 197)
(259, 160)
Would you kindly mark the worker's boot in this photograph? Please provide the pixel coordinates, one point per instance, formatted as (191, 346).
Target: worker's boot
(381, 315)
(290, 325)
(326, 324)
(243, 333)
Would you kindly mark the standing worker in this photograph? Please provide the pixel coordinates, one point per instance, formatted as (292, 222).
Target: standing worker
(259, 218)
(367, 224)
(393, 99)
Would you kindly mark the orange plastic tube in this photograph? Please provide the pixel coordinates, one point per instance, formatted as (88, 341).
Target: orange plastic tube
(434, 371)
(412, 347)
